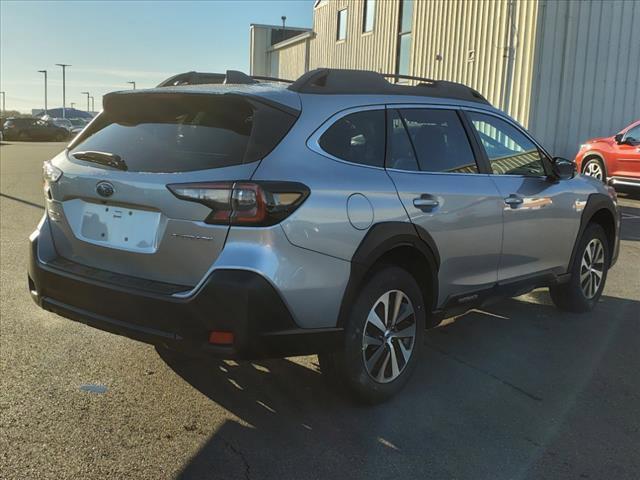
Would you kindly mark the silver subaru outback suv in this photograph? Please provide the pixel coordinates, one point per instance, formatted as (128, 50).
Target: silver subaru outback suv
(339, 214)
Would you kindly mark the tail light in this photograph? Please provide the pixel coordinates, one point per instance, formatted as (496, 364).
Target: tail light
(244, 203)
(50, 172)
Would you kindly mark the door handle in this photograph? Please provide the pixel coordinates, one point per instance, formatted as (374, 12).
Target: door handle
(425, 203)
(513, 201)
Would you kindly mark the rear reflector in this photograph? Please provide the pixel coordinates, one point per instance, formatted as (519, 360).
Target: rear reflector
(221, 338)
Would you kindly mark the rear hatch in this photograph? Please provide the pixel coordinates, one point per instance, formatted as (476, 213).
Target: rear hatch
(111, 208)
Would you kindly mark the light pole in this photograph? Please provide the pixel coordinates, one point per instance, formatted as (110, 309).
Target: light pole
(93, 107)
(132, 83)
(64, 86)
(87, 94)
(3, 109)
(284, 20)
(45, 90)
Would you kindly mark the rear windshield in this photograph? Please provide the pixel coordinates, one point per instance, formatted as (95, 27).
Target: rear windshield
(184, 132)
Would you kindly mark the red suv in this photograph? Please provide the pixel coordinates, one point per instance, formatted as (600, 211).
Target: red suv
(614, 159)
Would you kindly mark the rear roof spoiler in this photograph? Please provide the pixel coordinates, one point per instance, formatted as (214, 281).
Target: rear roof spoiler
(230, 77)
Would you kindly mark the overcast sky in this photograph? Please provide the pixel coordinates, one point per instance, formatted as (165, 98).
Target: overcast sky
(110, 43)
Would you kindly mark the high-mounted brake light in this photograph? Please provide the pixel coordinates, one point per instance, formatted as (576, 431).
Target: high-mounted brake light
(244, 203)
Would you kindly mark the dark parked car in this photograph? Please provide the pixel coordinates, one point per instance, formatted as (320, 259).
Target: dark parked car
(33, 129)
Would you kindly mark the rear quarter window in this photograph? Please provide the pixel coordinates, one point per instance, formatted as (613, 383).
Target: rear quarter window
(357, 138)
(181, 132)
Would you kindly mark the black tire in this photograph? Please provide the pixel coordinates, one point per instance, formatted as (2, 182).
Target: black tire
(346, 368)
(595, 161)
(59, 137)
(571, 296)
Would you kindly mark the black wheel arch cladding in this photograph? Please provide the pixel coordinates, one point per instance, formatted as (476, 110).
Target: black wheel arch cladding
(597, 203)
(381, 239)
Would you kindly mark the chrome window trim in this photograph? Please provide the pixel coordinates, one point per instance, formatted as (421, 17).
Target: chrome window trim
(313, 142)
(422, 172)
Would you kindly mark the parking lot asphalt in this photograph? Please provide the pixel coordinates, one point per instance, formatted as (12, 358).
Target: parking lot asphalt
(517, 391)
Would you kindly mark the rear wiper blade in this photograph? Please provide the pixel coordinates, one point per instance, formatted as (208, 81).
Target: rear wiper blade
(103, 158)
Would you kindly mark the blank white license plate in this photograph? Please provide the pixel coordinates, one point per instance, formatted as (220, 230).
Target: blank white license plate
(118, 227)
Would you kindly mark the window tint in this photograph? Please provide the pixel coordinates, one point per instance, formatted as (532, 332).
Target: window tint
(510, 152)
(439, 141)
(342, 24)
(179, 133)
(357, 138)
(401, 154)
(369, 15)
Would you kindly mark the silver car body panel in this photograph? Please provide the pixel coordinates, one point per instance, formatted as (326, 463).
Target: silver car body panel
(322, 224)
(184, 246)
(466, 225)
(539, 234)
(310, 283)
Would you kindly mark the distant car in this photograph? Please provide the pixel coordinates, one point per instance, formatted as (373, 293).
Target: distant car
(78, 122)
(77, 125)
(33, 129)
(614, 160)
(63, 122)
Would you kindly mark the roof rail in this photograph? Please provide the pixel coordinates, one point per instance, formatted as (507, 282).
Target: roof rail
(408, 77)
(366, 82)
(230, 77)
(271, 79)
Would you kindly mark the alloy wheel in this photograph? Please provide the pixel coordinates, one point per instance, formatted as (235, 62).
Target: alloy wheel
(594, 169)
(389, 336)
(592, 268)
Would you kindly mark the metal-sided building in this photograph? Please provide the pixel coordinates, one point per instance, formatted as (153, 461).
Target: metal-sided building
(567, 70)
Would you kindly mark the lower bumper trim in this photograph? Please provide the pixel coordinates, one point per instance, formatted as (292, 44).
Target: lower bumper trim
(237, 301)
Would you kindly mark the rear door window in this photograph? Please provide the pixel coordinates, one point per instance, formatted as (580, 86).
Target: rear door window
(358, 138)
(439, 140)
(185, 132)
(401, 153)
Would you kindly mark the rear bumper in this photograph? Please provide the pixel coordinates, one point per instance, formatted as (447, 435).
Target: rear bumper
(238, 301)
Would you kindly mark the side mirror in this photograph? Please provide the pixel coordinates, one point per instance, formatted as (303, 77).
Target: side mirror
(618, 138)
(563, 169)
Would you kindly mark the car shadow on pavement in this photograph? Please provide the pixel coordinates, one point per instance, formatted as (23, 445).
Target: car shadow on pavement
(630, 227)
(467, 412)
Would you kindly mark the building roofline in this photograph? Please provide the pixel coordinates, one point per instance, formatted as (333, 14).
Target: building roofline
(292, 40)
(278, 27)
